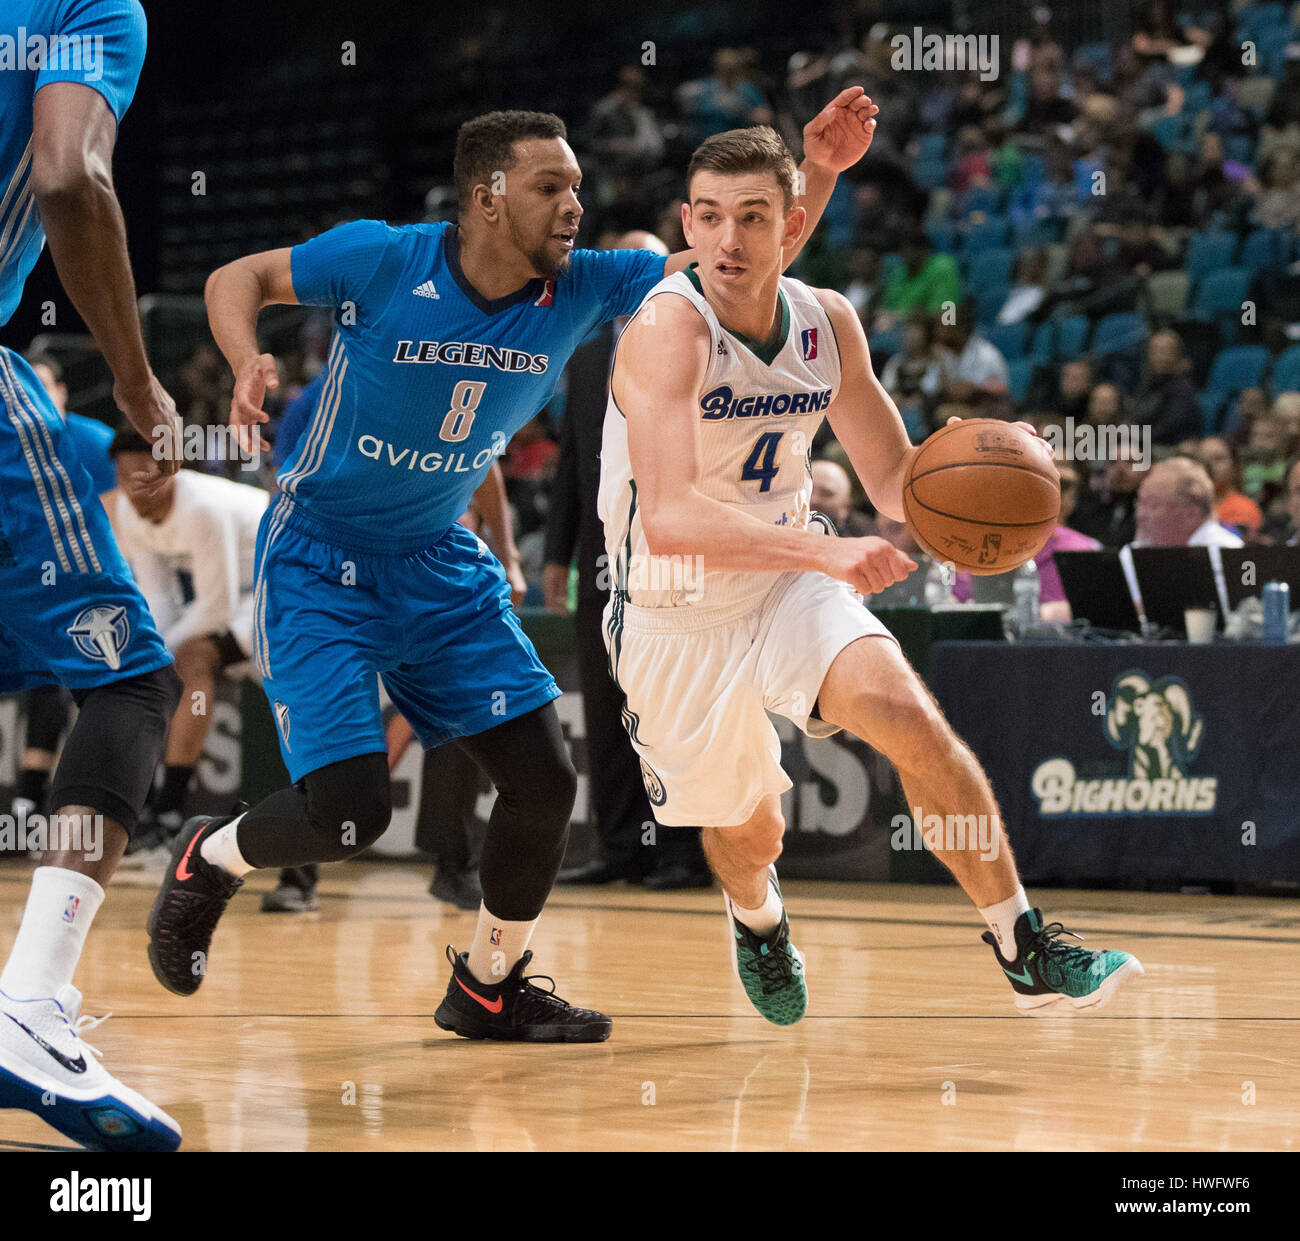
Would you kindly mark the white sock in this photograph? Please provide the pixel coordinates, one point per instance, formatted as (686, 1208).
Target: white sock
(60, 908)
(766, 918)
(497, 946)
(222, 849)
(1002, 920)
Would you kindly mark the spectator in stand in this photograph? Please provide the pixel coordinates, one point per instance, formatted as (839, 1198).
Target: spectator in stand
(923, 281)
(725, 100)
(1251, 403)
(972, 165)
(1277, 205)
(914, 375)
(1276, 293)
(1291, 503)
(1175, 508)
(1064, 389)
(1107, 406)
(1264, 467)
(1046, 108)
(832, 494)
(971, 364)
(1231, 507)
(1028, 290)
(1286, 413)
(1166, 399)
(622, 132)
(1107, 509)
(1282, 124)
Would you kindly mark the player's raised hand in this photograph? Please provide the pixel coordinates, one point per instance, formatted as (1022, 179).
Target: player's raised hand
(869, 564)
(149, 408)
(839, 135)
(246, 412)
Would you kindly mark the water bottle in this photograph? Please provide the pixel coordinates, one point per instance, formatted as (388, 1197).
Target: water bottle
(1277, 606)
(1025, 608)
(939, 579)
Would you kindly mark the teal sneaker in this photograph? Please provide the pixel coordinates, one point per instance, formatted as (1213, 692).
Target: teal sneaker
(1047, 971)
(771, 969)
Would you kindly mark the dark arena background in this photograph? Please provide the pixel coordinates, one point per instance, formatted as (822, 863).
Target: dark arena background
(1083, 217)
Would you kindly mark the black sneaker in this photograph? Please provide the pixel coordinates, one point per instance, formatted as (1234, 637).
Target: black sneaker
(516, 1010)
(1048, 972)
(186, 910)
(457, 887)
(296, 892)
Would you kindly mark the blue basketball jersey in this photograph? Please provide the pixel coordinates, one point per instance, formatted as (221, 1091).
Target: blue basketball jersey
(99, 43)
(426, 380)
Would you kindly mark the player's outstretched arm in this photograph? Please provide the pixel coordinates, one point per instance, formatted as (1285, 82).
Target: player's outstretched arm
(835, 139)
(235, 295)
(662, 359)
(73, 135)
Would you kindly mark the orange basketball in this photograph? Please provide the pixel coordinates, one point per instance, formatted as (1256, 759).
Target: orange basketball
(982, 495)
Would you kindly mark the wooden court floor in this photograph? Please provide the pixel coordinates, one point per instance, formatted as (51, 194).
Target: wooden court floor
(315, 1032)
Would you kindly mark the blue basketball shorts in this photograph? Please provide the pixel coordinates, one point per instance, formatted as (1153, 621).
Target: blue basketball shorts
(436, 625)
(69, 608)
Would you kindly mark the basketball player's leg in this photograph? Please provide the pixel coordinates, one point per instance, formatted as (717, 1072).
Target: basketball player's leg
(319, 646)
(742, 856)
(871, 691)
(73, 614)
(472, 676)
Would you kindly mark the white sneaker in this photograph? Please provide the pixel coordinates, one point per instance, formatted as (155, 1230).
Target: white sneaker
(46, 1068)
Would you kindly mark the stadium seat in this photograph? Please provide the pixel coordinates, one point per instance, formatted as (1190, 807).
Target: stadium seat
(1166, 294)
(1044, 346)
(1020, 371)
(1256, 93)
(943, 236)
(1172, 132)
(1118, 333)
(1286, 371)
(1208, 251)
(1240, 367)
(990, 267)
(988, 234)
(1071, 334)
(1264, 247)
(1011, 339)
(1218, 298)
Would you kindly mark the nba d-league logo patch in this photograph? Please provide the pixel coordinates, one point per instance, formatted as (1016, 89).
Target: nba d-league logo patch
(809, 335)
(282, 722)
(494, 937)
(70, 911)
(102, 633)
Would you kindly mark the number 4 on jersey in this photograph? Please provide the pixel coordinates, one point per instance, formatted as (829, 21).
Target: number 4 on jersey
(761, 464)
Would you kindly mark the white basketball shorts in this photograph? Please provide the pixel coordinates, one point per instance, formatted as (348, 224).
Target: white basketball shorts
(699, 684)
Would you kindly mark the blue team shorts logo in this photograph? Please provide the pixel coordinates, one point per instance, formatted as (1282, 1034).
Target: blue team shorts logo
(282, 722)
(102, 633)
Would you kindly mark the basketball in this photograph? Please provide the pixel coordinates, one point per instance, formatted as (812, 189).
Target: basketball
(982, 496)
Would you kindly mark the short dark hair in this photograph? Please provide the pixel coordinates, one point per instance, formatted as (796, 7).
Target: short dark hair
(128, 439)
(38, 357)
(756, 149)
(486, 144)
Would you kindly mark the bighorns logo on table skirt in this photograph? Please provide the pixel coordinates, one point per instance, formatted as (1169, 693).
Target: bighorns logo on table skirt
(1155, 724)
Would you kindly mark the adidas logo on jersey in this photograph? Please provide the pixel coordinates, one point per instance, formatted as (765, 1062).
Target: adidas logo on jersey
(426, 290)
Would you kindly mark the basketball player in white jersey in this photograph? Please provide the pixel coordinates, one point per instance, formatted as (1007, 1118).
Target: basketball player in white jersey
(727, 603)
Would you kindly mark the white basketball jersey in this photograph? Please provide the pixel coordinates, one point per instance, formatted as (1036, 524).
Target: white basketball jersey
(757, 418)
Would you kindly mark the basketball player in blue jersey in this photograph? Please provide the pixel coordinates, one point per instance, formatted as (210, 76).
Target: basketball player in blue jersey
(71, 612)
(448, 340)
